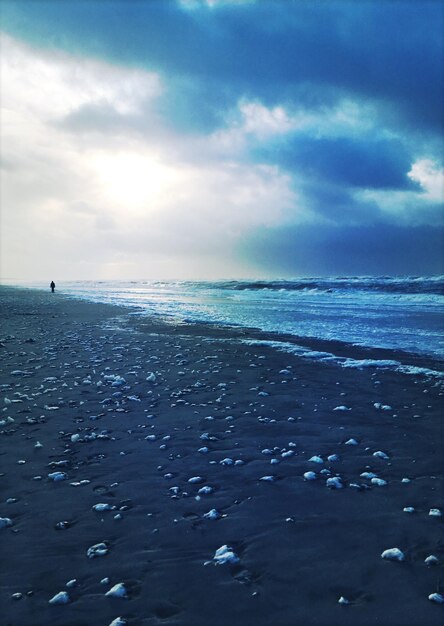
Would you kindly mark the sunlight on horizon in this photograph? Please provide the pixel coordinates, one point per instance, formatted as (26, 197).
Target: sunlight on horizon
(134, 181)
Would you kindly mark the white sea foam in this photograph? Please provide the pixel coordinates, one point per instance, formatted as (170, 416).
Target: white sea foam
(118, 591)
(393, 554)
(347, 362)
(436, 597)
(60, 598)
(5, 522)
(98, 549)
(224, 555)
(310, 476)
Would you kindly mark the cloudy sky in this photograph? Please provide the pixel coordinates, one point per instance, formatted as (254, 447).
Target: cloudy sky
(221, 138)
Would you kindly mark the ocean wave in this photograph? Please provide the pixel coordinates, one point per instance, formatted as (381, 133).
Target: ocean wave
(383, 312)
(402, 285)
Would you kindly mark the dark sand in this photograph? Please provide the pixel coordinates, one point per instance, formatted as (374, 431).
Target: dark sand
(301, 545)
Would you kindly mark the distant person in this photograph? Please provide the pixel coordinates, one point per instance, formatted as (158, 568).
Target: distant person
(52, 285)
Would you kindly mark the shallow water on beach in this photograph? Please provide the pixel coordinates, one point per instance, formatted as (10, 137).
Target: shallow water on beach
(395, 313)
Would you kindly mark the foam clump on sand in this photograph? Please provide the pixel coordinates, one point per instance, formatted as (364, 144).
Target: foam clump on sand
(213, 514)
(98, 549)
(115, 380)
(60, 598)
(431, 560)
(315, 459)
(379, 482)
(287, 454)
(381, 455)
(333, 458)
(225, 554)
(101, 506)
(57, 476)
(393, 554)
(118, 591)
(435, 513)
(206, 490)
(334, 483)
(7, 420)
(436, 597)
(310, 476)
(369, 475)
(5, 522)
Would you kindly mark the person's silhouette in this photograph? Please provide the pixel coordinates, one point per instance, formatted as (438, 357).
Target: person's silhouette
(52, 285)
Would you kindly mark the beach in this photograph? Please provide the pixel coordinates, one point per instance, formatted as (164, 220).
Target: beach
(134, 449)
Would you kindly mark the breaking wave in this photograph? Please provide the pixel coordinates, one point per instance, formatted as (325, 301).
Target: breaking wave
(385, 284)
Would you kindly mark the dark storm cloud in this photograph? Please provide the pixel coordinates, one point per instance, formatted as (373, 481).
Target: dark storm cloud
(375, 249)
(389, 51)
(362, 162)
(337, 204)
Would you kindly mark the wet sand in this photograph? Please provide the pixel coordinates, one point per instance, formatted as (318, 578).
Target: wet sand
(118, 407)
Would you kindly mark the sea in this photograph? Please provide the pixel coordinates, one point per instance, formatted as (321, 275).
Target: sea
(401, 314)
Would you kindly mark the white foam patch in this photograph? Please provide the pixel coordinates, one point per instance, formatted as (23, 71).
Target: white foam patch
(363, 363)
(393, 554)
(224, 555)
(118, 591)
(285, 346)
(60, 598)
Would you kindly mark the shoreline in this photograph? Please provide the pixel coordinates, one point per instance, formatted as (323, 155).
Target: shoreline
(336, 349)
(301, 545)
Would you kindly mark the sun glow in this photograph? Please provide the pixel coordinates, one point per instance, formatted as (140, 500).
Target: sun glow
(134, 181)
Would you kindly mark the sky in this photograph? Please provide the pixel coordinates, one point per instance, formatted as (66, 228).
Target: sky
(205, 139)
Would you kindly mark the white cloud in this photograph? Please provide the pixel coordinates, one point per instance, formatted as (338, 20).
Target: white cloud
(252, 122)
(430, 176)
(49, 85)
(265, 122)
(114, 203)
